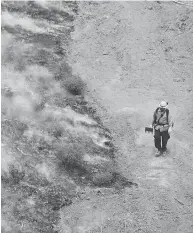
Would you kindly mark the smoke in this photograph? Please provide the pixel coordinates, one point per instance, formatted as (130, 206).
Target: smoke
(30, 86)
(44, 170)
(26, 23)
(6, 160)
(37, 82)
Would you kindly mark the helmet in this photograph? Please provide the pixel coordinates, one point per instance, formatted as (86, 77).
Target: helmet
(163, 104)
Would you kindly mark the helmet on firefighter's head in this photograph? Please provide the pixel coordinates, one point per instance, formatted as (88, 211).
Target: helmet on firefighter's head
(163, 104)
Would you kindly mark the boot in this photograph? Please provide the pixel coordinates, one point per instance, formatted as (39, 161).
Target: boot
(164, 151)
(158, 153)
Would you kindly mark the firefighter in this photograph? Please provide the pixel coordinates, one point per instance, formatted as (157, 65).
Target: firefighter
(162, 124)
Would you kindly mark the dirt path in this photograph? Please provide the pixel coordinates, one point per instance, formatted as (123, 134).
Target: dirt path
(129, 54)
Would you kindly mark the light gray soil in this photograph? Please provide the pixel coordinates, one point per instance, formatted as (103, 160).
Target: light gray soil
(133, 55)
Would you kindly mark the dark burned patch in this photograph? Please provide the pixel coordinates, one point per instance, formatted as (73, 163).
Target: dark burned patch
(123, 181)
(77, 172)
(39, 107)
(74, 85)
(74, 89)
(48, 40)
(74, 169)
(115, 179)
(104, 179)
(7, 92)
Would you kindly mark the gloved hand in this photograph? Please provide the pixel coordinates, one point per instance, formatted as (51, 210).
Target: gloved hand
(170, 130)
(152, 126)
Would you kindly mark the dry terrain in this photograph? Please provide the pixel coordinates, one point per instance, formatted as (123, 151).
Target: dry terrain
(133, 55)
(80, 81)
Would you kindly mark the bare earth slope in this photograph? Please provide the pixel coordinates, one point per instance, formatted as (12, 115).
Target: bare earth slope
(132, 55)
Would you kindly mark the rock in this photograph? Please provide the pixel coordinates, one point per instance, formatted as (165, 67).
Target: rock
(94, 206)
(177, 80)
(95, 170)
(189, 89)
(168, 49)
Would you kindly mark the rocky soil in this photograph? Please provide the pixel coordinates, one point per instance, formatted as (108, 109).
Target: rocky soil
(132, 55)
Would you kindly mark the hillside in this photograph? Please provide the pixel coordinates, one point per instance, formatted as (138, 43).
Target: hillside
(80, 81)
(132, 55)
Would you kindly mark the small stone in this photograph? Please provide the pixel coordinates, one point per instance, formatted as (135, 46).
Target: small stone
(189, 89)
(176, 80)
